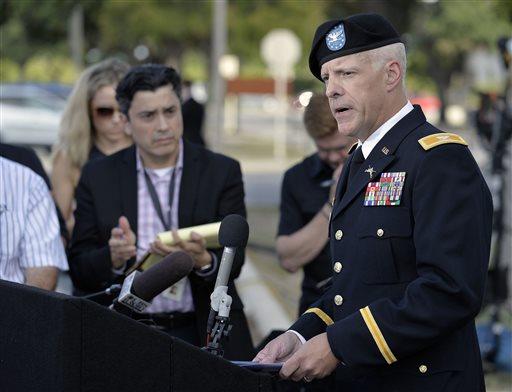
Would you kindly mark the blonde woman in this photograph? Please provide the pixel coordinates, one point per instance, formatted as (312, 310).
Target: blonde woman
(91, 127)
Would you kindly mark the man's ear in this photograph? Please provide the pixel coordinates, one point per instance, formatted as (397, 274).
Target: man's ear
(393, 75)
(127, 126)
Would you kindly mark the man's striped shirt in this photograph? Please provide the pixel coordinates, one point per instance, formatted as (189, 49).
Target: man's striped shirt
(29, 229)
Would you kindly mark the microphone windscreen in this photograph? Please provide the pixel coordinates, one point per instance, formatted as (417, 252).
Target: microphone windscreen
(233, 232)
(171, 269)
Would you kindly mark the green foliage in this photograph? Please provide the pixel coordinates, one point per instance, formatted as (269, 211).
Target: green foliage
(250, 21)
(50, 69)
(442, 34)
(397, 11)
(10, 71)
(165, 27)
(455, 28)
(194, 66)
(14, 42)
(31, 27)
(179, 31)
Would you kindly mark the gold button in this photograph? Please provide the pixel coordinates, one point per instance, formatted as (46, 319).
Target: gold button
(338, 300)
(337, 267)
(380, 232)
(338, 235)
(423, 369)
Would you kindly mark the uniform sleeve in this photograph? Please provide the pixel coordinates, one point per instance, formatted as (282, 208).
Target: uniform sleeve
(290, 217)
(452, 215)
(41, 245)
(317, 317)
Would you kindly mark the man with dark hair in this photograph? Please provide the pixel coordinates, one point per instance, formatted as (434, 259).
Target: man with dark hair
(306, 202)
(410, 232)
(161, 183)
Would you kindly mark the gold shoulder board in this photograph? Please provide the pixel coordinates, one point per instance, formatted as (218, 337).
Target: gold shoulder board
(437, 139)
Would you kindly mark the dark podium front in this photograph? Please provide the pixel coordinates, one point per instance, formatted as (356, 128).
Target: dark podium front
(54, 342)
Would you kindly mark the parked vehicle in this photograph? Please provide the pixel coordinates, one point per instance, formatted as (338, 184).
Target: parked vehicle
(30, 113)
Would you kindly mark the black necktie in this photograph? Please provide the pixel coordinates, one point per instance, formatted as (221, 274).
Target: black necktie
(355, 164)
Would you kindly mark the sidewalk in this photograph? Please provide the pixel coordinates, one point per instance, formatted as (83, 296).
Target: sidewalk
(263, 310)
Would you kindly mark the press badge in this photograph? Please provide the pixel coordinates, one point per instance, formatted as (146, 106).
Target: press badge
(175, 292)
(386, 192)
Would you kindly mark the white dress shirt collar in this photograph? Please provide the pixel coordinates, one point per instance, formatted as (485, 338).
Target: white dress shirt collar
(375, 137)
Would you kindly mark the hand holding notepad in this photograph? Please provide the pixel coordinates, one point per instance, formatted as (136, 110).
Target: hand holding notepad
(209, 231)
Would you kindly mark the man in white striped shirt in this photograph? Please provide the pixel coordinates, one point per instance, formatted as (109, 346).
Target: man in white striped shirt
(31, 250)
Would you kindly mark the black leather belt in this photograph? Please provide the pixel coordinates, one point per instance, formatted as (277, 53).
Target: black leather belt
(168, 320)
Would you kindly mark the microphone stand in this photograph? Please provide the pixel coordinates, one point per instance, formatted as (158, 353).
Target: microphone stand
(221, 329)
(112, 291)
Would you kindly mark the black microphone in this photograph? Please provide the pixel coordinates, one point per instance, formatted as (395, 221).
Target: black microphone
(233, 234)
(139, 289)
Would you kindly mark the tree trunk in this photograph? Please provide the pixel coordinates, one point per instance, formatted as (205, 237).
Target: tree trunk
(441, 92)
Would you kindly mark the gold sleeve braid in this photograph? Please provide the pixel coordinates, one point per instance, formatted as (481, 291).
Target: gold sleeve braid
(377, 335)
(321, 314)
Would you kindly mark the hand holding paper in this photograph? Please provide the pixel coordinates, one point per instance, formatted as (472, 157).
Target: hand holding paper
(195, 247)
(166, 243)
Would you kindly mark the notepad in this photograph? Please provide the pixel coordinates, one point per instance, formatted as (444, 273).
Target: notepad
(209, 231)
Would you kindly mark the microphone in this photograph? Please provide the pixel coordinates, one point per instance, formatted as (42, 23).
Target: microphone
(139, 289)
(233, 234)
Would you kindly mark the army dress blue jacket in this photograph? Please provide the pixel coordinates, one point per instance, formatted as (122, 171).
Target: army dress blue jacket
(409, 265)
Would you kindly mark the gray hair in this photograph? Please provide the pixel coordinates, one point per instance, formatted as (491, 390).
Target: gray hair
(394, 52)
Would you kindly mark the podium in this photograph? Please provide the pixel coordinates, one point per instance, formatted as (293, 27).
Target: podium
(54, 342)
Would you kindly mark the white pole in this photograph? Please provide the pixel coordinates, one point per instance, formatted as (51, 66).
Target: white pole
(216, 99)
(280, 116)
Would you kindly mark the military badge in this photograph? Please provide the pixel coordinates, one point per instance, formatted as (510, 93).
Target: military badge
(386, 192)
(370, 171)
(335, 40)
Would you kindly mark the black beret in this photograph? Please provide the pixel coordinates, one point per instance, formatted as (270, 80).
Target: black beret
(357, 33)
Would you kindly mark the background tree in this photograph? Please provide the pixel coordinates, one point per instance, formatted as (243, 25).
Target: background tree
(250, 21)
(32, 28)
(397, 11)
(166, 27)
(444, 33)
(438, 35)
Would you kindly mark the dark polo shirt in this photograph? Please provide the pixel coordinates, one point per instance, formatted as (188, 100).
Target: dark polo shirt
(305, 189)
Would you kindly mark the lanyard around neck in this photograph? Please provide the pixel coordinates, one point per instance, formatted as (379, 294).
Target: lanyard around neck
(167, 223)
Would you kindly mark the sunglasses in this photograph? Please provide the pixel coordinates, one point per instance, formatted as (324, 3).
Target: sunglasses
(105, 112)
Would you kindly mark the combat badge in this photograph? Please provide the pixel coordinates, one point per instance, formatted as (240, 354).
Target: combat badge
(386, 192)
(371, 171)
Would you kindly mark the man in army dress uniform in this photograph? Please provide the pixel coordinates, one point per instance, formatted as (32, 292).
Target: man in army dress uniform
(409, 234)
